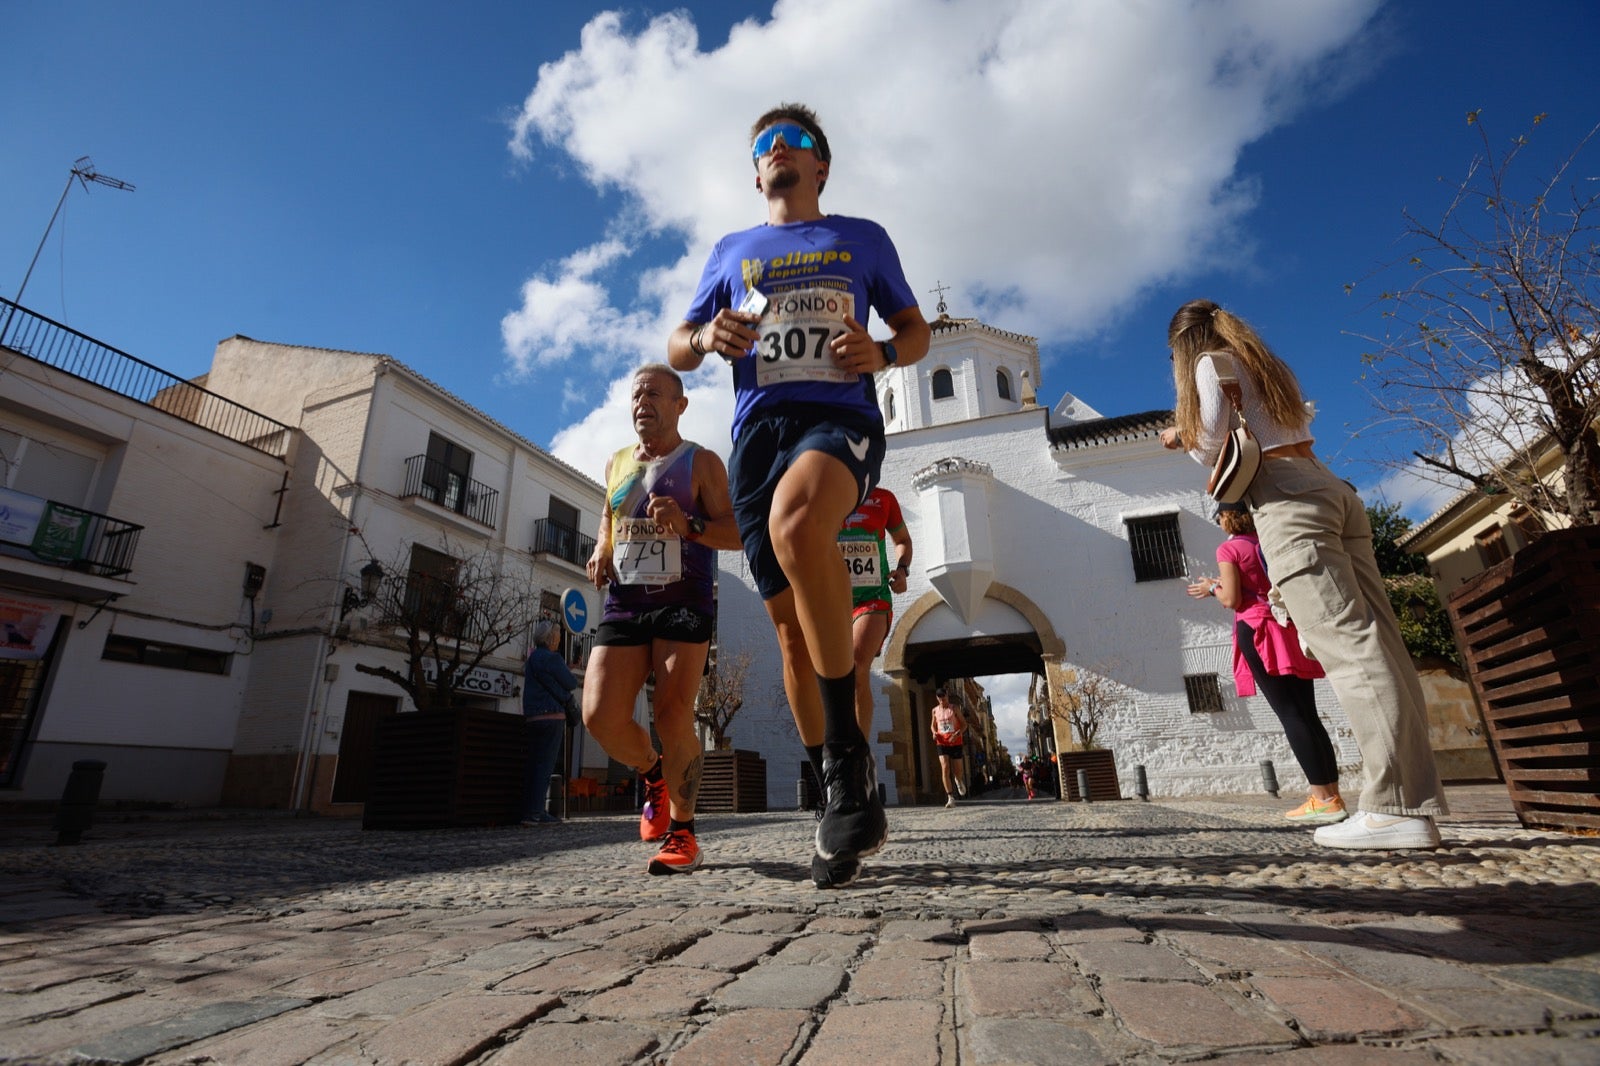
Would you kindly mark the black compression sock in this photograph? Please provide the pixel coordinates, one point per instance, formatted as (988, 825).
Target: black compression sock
(677, 825)
(653, 774)
(814, 754)
(839, 729)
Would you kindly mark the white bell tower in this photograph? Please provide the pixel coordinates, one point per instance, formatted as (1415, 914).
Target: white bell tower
(971, 371)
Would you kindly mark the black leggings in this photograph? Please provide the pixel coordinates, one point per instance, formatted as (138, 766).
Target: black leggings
(1294, 701)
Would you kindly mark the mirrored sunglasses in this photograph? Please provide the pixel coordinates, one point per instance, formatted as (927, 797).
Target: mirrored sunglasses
(794, 136)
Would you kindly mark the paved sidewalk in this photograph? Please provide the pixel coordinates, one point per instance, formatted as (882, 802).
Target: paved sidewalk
(997, 932)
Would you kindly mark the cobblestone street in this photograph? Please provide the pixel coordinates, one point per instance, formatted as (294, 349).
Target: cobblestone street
(996, 932)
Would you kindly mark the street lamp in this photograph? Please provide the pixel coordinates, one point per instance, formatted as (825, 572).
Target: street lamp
(371, 576)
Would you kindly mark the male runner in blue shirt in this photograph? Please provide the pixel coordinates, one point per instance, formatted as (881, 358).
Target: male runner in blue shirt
(786, 303)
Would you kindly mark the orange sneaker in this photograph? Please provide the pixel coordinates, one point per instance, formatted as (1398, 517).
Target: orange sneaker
(656, 817)
(1318, 812)
(680, 854)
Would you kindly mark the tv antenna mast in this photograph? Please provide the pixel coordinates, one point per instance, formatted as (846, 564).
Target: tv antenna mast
(84, 173)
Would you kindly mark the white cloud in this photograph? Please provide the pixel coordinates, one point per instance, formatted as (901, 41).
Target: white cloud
(1008, 695)
(588, 443)
(1478, 424)
(1048, 157)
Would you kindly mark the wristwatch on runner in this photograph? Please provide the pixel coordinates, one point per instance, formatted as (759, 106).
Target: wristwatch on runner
(697, 527)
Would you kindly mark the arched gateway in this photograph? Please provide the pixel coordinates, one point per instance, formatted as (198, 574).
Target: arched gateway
(1009, 634)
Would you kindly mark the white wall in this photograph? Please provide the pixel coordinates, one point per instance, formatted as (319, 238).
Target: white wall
(205, 504)
(1060, 539)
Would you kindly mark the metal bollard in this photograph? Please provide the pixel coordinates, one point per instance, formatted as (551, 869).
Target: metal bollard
(1269, 778)
(555, 801)
(1141, 784)
(1083, 786)
(79, 799)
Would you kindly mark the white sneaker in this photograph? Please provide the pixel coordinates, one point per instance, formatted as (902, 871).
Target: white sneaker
(961, 786)
(949, 800)
(1379, 831)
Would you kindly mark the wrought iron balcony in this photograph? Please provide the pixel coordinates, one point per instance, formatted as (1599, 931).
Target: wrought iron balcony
(66, 536)
(437, 483)
(552, 538)
(71, 352)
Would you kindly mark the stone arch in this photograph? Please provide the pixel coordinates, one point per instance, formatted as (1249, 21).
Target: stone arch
(904, 718)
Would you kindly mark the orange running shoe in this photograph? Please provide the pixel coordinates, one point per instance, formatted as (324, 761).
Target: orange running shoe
(680, 854)
(656, 818)
(1318, 812)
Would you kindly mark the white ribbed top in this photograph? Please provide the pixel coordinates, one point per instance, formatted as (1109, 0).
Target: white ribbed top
(1216, 413)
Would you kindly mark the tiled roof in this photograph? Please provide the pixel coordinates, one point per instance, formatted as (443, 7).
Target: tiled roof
(1108, 430)
(946, 324)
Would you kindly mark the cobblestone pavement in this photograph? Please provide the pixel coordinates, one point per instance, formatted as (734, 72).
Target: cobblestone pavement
(996, 932)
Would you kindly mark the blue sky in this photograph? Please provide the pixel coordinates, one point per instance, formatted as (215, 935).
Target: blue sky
(515, 198)
(517, 205)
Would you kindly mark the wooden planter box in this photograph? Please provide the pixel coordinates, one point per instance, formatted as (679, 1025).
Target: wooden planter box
(1529, 628)
(1100, 768)
(733, 781)
(448, 769)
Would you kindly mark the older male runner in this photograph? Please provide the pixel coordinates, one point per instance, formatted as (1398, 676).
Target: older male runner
(786, 304)
(666, 508)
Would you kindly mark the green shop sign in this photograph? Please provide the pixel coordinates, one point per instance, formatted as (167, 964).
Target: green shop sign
(62, 531)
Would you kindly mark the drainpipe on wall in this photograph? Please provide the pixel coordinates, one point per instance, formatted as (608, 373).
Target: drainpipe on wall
(317, 695)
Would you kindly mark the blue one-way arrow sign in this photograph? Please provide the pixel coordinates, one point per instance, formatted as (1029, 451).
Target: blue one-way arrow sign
(574, 610)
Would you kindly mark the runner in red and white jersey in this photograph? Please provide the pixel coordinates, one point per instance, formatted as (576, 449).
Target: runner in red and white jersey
(864, 543)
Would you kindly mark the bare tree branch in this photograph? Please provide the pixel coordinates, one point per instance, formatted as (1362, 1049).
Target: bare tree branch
(447, 621)
(1490, 354)
(1089, 700)
(721, 694)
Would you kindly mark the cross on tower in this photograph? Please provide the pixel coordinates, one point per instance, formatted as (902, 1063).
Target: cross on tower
(941, 289)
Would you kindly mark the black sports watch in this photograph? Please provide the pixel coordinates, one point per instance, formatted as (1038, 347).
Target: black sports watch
(890, 356)
(697, 527)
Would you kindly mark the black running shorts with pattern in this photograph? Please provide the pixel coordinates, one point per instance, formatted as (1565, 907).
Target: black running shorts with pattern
(682, 624)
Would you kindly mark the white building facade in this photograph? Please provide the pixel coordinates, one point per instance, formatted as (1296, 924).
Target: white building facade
(395, 471)
(1047, 543)
(129, 632)
(202, 632)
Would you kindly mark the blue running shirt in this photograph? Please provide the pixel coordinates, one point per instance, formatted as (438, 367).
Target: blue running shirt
(813, 273)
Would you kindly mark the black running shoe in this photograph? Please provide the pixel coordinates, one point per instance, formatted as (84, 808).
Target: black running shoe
(853, 824)
(834, 874)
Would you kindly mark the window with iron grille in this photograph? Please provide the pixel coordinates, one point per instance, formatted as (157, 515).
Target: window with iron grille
(446, 473)
(1204, 692)
(430, 596)
(1492, 546)
(1157, 547)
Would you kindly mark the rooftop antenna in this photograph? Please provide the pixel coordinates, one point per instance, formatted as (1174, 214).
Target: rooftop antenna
(84, 172)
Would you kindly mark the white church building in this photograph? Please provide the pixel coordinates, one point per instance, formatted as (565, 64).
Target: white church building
(1050, 542)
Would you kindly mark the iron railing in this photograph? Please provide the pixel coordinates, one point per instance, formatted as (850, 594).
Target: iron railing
(552, 538)
(437, 483)
(81, 540)
(49, 342)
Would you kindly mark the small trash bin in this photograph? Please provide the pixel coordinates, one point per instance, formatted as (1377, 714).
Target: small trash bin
(807, 793)
(79, 799)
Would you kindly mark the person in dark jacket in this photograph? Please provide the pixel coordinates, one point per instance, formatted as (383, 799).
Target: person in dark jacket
(547, 686)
